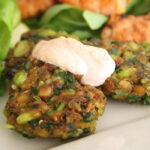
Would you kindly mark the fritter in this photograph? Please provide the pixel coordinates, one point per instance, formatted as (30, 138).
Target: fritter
(131, 80)
(46, 101)
(128, 28)
(32, 8)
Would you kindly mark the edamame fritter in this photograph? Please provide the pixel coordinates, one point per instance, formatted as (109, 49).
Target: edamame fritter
(131, 80)
(46, 101)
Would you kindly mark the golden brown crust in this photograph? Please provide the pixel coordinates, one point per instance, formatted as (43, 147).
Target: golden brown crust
(128, 28)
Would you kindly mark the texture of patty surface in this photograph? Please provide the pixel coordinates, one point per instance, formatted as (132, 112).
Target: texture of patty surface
(46, 101)
(131, 80)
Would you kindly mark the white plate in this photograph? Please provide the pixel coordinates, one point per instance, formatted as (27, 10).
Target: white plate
(122, 127)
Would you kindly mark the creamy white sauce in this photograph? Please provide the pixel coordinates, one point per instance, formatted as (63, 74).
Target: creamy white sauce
(95, 64)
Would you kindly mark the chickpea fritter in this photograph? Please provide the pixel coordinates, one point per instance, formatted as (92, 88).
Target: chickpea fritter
(46, 101)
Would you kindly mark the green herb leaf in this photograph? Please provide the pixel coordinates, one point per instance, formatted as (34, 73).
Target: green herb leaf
(52, 12)
(7, 13)
(73, 20)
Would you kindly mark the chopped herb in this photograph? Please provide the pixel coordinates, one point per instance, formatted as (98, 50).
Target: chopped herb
(40, 84)
(87, 130)
(95, 41)
(56, 91)
(61, 106)
(50, 98)
(27, 66)
(23, 133)
(45, 125)
(113, 51)
(118, 43)
(134, 98)
(34, 91)
(87, 119)
(48, 125)
(33, 123)
(75, 133)
(71, 126)
(69, 81)
(59, 86)
(36, 97)
(35, 106)
(88, 97)
(147, 100)
(36, 38)
(86, 114)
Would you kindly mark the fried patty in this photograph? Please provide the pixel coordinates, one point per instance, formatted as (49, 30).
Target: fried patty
(131, 80)
(46, 101)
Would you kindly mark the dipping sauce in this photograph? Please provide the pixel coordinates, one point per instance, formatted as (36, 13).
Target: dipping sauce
(93, 63)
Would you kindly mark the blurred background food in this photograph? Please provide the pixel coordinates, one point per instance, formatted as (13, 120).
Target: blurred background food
(31, 8)
(128, 28)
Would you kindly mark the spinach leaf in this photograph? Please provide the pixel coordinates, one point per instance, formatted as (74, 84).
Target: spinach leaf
(52, 12)
(62, 17)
